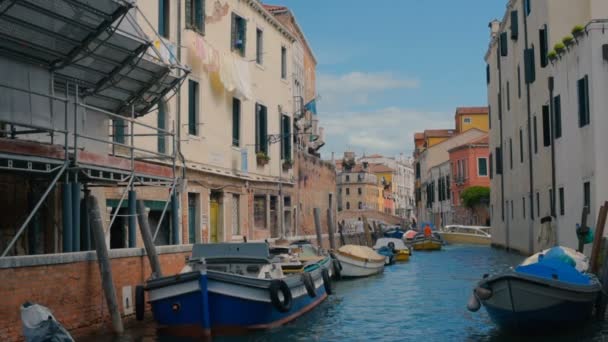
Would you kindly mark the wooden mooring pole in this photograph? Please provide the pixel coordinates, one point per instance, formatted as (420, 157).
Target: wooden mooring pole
(107, 282)
(597, 241)
(331, 229)
(582, 230)
(146, 235)
(367, 231)
(317, 216)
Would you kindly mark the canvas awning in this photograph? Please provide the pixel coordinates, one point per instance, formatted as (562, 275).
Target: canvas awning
(96, 44)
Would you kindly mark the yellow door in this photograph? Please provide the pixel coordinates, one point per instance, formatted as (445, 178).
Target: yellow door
(213, 221)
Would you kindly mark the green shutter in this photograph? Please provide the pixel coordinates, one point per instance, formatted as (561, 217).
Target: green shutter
(557, 111)
(514, 25)
(192, 95)
(504, 44)
(258, 108)
(264, 130)
(530, 65)
(243, 35)
(161, 18)
(546, 126)
(119, 131)
(199, 15)
(233, 34)
(188, 10)
(236, 122)
(160, 123)
(544, 47)
(289, 138)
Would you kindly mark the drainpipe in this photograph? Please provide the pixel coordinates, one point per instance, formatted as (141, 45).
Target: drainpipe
(530, 160)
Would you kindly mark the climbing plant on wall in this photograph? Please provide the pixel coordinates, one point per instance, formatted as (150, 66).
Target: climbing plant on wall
(475, 195)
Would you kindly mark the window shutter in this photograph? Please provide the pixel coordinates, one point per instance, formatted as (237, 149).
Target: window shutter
(119, 131)
(514, 25)
(161, 18)
(488, 73)
(199, 15)
(586, 98)
(283, 144)
(557, 110)
(530, 65)
(504, 44)
(243, 36)
(546, 127)
(544, 47)
(264, 129)
(188, 13)
(236, 122)
(233, 33)
(499, 106)
(258, 140)
(498, 161)
(191, 107)
(161, 124)
(535, 136)
(491, 160)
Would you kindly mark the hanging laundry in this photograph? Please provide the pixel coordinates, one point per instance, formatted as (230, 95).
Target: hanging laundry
(226, 71)
(242, 79)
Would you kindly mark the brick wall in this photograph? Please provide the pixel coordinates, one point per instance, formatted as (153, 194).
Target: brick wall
(72, 290)
(316, 181)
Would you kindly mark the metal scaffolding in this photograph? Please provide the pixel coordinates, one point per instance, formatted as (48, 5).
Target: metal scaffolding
(98, 58)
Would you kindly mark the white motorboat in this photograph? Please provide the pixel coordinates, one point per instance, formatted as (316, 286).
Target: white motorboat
(359, 261)
(457, 234)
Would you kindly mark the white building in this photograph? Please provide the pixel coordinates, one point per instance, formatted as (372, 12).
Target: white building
(518, 74)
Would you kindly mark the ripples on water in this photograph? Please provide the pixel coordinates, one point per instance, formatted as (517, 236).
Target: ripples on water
(422, 300)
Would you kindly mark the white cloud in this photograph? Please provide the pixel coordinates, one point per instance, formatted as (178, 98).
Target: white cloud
(357, 87)
(387, 131)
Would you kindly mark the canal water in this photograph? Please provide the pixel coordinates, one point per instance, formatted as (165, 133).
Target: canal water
(422, 300)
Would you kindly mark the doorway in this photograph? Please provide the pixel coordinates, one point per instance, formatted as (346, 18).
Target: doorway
(214, 216)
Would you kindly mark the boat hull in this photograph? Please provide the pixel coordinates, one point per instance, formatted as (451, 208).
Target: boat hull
(459, 238)
(526, 302)
(219, 304)
(356, 267)
(402, 256)
(426, 245)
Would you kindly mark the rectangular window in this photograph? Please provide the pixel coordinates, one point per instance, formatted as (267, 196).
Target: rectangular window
(514, 25)
(538, 204)
(551, 204)
(161, 124)
(359, 191)
(519, 81)
(499, 106)
(195, 15)
(535, 135)
(521, 145)
(546, 126)
(286, 139)
(193, 105)
(118, 131)
(498, 161)
(347, 191)
(259, 211)
(283, 62)
(587, 195)
(163, 18)
(508, 96)
(467, 120)
(544, 47)
(511, 152)
(259, 46)
(447, 181)
(482, 167)
(530, 65)
(527, 7)
(562, 209)
(192, 213)
(557, 108)
(583, 101)
(261, 129)
(488, 73)
(236, 210)
(236, 122)
(238, 34)
(504, 45)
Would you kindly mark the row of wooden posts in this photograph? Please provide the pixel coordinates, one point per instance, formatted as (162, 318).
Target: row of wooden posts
(363, 239)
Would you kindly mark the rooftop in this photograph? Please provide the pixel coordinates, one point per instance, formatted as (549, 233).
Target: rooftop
(471, 110)
(439, 133)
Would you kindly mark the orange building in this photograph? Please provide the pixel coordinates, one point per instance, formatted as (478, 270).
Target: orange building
(470, 167)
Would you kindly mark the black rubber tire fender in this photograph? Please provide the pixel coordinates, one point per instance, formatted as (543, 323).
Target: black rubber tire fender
(309, 284)
(337, 265)
(281, 305)
(327, 282)
(391, 245)
(140, 302)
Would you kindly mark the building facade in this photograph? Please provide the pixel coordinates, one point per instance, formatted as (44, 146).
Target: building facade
(518, 74)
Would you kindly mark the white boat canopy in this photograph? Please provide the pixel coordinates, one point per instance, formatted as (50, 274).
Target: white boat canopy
(382, 242)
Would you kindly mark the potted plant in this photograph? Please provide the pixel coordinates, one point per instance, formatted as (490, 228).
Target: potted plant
(578, 31)
(287, 164)
(559, 48)
(262, 158)
(552, 55)
(568, 40)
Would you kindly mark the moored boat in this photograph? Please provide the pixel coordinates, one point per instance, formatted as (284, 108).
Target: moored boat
(551, 289)
(359, 261)
(388, 254)
(228, 288)
(457, 234)
(400, 250)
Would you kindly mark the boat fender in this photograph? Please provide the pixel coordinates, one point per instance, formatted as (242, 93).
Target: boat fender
(483, 293)
(327, 282)
(309, 284)
(283, 305)
(337, 265)
(473, 305)
(391, 245)
(139, 302)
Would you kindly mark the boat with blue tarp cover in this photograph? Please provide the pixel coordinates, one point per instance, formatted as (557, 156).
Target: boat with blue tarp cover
(549, 289)
(232, 287)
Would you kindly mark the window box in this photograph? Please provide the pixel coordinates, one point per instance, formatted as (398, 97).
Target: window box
(287, 164)
(262, 158)
(578, 31)
(568, 41)
(560, 48)
(552, 55)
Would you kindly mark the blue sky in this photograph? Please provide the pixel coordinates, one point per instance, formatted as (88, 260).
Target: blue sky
(388, 68)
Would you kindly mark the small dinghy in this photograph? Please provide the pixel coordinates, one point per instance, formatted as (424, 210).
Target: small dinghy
(359, 261)
(549, 289)
(427, 242)
(399, 249)
(388, 254)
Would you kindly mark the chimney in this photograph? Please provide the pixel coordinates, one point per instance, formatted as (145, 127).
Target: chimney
(494, 26)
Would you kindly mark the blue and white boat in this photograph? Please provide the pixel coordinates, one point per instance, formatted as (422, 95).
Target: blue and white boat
(230, 288)
(548, 290)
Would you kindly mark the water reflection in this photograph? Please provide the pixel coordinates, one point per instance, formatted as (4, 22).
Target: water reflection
(423, 300)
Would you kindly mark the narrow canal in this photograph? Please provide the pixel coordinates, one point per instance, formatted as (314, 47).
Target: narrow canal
(423, 300)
